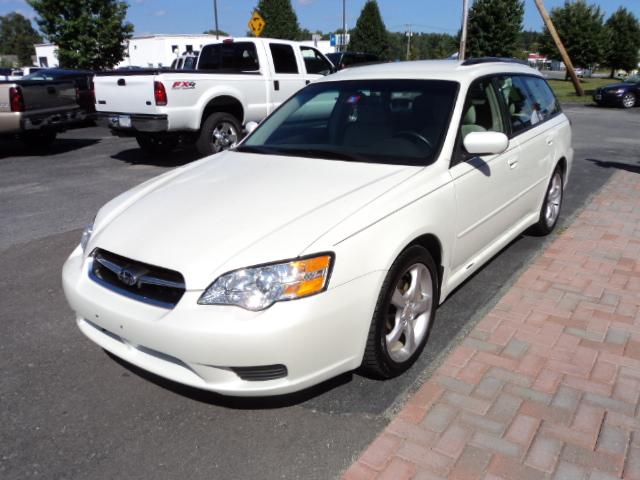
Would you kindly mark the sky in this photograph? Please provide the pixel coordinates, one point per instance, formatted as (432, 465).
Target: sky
(196, 16)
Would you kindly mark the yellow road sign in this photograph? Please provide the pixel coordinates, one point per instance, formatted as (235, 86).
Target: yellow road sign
(257, 24)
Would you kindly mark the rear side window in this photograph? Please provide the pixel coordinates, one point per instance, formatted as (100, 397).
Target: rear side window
(545, 103)
(284, 59)
(520, 104)
(314, 62)
(230, 57)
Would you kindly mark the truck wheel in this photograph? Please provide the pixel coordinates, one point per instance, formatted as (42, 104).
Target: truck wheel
(156, 144)
(39, 140)
(219, 132)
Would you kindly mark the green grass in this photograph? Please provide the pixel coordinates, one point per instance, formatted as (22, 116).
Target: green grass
(566, 93)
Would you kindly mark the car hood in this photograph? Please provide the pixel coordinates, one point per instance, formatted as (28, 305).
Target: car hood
(615, 86)
(237, 209)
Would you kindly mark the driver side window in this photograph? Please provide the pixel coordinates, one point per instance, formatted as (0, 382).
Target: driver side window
(482, 110)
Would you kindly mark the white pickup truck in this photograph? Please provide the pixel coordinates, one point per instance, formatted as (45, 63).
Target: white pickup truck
(235, 81)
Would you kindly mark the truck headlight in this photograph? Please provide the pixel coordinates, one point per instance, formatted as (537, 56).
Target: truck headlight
(257, 288)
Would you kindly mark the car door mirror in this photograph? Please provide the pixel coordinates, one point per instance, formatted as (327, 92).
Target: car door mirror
(485, 143)
(250, 127)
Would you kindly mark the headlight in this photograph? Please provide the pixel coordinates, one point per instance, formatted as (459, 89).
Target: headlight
(257, 288)
(86, 236)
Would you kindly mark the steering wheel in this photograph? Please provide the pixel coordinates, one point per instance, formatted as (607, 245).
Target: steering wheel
(410, 135)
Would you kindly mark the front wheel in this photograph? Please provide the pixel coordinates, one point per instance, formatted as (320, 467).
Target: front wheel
(550, 211)
(404, 314)
(628, 100)
(220, 131)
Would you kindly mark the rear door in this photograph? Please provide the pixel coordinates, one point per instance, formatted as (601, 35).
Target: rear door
(119, 92)
(315, 64)
(286, 78)
(532, 110)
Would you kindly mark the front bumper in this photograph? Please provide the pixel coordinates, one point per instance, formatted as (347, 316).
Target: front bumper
(314, 338)
(607, 98)
(131, 123)
(17, 122)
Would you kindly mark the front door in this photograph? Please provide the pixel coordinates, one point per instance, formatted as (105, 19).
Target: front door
(484, 185)
(286, 79)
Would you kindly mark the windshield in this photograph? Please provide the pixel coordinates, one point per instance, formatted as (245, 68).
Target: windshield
(377, 121)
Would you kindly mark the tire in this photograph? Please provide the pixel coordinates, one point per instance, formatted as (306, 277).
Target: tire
(398, 312)
(219, 132)
(628, 100)
(551, 206)
(154, 144)
(39, 140)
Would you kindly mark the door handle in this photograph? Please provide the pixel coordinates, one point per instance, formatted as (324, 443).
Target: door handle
(276, 85)
(513, 163)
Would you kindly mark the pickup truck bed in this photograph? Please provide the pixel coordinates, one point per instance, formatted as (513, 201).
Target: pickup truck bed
(35, 109)
(235, 82)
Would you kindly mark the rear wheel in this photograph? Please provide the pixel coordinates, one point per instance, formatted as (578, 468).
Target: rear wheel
(550, 211)
(156, 144)
(220, 131)
(628, 100)
(404, 314)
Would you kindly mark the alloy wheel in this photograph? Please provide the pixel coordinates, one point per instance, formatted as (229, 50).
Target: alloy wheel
(409, 312)
(554, 199)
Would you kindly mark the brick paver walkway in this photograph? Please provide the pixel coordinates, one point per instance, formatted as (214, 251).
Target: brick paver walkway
(547, 384)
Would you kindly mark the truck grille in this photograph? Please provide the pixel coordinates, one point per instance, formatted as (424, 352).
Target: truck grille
(143, 282)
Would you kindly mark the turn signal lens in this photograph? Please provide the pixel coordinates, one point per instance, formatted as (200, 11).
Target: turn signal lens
(257, 288)
(160, 94)
(16, 99)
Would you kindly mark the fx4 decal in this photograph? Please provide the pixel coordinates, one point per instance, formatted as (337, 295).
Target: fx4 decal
(183, 85)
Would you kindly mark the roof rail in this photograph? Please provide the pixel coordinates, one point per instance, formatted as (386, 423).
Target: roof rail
(480, 60)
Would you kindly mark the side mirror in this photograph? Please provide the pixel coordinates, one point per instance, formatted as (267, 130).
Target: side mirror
(485, 143)
(250, 127)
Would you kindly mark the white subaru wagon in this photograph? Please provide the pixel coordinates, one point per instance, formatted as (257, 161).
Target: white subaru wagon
(325, 241)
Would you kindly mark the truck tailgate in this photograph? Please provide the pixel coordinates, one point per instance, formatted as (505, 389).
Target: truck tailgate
(125, 93)
(47, 95)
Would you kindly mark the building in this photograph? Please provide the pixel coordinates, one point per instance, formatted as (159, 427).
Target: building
(142, 51)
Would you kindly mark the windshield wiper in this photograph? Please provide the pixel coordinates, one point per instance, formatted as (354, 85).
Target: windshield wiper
(250, 149)
(301, 152)
(320, 153)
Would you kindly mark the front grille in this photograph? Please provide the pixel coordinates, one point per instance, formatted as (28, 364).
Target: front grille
(260, 374)
(147, 283)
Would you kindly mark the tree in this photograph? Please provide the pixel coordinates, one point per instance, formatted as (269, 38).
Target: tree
(623, 31)
(582, 32)
(219, 32)
(17, 37)
(494, 28)
(370, 35)
(90, 34)
(281, 20)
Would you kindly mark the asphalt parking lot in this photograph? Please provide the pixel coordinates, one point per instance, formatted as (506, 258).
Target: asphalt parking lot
(69, 410)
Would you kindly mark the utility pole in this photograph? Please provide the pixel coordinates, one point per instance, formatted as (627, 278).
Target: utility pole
(215, 14)
(463, 35)
(563, 52)
(344, 26)
(408, 33)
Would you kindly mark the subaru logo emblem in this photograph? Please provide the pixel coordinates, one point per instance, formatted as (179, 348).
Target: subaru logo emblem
(127, 277)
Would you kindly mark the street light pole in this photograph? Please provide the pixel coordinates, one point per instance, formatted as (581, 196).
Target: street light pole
(344, 25)
(215, 14)
(463, 35)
